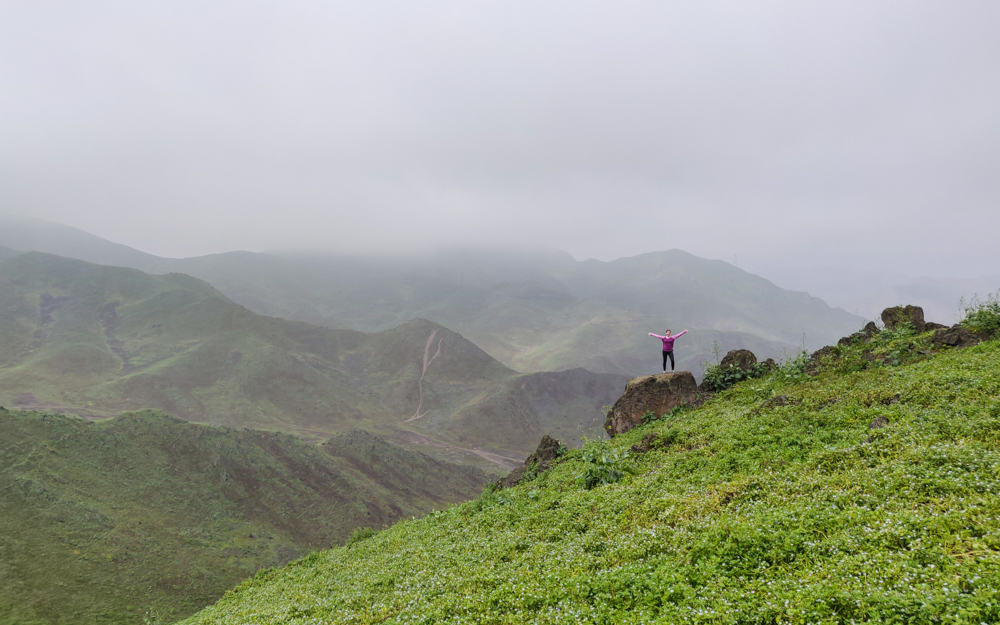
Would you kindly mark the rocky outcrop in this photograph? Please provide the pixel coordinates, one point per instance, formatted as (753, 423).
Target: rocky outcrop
(956, 336)
(651, 393)
(864, 336)
(817, 357)
(740, 358)
(541, 460)
(897, 316)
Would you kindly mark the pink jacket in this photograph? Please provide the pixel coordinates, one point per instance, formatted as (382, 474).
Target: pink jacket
(668, 341)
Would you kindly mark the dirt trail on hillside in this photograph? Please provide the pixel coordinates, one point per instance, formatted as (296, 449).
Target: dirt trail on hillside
(423, 439)
(420, 382)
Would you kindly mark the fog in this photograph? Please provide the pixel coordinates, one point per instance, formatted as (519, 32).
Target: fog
(777, 135)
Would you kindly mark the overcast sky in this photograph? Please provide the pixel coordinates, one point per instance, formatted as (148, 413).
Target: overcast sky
(787, 133)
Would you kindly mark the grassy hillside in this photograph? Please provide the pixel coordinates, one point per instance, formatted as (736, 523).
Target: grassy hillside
(772, 503)
(533, 311)
(96, 341)
(103, 522)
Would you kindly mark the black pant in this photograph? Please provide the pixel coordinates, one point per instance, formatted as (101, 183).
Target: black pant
(665, 354)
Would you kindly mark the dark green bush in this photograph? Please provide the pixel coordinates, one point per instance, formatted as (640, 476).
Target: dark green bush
(719, 378)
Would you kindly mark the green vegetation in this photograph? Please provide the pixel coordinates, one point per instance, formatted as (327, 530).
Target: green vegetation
(718, 378)
(674, 412)
(602, 464)
(775, 502)
(983, 316)
(97, 341)
(149, 517)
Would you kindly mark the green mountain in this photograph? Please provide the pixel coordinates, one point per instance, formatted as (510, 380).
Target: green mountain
(144, 513)
(539, 311)
(96, 341)
(533, 311)
(867, 493)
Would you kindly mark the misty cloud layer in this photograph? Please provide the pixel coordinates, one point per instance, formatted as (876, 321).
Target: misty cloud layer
(851, 134)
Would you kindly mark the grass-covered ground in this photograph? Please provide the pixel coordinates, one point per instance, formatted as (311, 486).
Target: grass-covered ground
(772, 503)
(103, 523)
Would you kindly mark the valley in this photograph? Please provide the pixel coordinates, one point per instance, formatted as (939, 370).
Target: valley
(96, 341)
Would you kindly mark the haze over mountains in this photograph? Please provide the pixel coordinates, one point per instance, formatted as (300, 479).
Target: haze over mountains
(533, 311)
(96, 341)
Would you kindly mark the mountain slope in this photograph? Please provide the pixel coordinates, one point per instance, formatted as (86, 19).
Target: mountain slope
(540, 311)
(100, 522)
(36, 235)
(869, 493)
(97, 341)
(533, 311)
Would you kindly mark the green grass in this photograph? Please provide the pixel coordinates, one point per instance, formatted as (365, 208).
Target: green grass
(751, 510)
(103, 522)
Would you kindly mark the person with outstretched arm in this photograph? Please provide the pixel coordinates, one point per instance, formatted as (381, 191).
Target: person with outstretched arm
(668, 348)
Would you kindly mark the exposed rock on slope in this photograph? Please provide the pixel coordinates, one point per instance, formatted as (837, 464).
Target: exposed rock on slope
(956, 336)
(896, 316)
(546, 453)
(651, 393)
(739, 358)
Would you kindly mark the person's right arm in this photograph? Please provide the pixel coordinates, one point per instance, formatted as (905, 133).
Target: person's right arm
(657, 336)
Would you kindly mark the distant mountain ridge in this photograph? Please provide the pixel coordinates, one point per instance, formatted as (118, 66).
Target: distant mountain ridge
(533, 311)
(96, 341)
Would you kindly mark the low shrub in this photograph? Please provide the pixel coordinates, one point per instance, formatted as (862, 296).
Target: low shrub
(603, 465)
(983, 316)
(719, 378)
